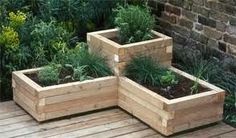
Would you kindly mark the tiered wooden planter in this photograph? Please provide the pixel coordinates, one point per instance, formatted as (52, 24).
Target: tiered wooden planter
(45, 103)
(171, 116)
(165, 116)
(118, 55)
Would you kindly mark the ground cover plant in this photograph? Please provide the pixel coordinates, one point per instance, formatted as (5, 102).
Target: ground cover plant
(33, 32)
(134, 23)
(214, 70)
(77, 65)
(161, 80)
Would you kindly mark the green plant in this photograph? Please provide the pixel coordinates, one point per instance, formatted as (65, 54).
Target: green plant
(168, 79)
(144, 70)
(135, 24)
(48, 39)
(80, 73)
(49, 75)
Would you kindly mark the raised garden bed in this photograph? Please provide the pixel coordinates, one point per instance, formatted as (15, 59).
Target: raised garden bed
(169, 116)
(50, 102)
(105, 42)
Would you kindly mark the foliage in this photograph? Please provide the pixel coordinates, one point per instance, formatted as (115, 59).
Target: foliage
(49, 75)
(9, 38)
(96, 65)
(48, 39)
(168, 79)
(146, 71)
(78, 65)
(17, 19)
(134, 23)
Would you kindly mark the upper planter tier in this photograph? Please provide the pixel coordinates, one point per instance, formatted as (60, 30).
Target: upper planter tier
(105, 42)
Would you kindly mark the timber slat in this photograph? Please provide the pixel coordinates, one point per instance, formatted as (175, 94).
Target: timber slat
(108, 123)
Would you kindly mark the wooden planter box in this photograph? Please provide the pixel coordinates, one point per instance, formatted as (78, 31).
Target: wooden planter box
(45, 103)
(118, 55)
(171, 116)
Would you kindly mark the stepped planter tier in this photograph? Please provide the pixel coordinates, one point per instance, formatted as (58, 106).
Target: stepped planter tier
(175, 115)
(50, 102)
(104, 42)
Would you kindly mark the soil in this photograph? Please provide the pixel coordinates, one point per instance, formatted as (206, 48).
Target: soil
(34, 77)
(116, 39)
(183, 88)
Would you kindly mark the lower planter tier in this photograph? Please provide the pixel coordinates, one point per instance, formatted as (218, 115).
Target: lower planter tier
(171, 116)
(50, 102)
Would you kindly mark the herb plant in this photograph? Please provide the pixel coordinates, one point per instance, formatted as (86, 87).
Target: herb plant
(168, 79)
(49, 75)
(134, 23)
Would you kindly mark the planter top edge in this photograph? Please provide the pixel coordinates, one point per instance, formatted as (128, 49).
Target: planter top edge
(76, 83)
(161, 37)
(213, 89)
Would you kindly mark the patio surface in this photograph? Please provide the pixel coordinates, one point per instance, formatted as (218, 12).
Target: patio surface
(15, 122)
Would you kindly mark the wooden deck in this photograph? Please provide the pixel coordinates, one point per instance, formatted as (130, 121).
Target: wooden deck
(15, 122)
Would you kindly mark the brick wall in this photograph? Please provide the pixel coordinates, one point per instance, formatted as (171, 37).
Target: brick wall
(209, 23)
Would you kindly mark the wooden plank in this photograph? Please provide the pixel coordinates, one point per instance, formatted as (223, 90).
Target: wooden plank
(138, 134)
(12, 114)
(77, 86)
(85, 108)
(196, 113)
(227, 135)
(44, 131)
(144, 114)
(39, 117)
(145, 103)
(19, 125)
(90, 100)
(118, 131)
(27, 101)
(25, 82)
(193, 100)
(97, 129)
(142, 92)
(82, 94)
(207, 131)
(16, 119)
(11, 107)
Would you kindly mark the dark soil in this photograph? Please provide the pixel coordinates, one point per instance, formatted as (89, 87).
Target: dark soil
(116, 39)
(183, 88)
(34, 77)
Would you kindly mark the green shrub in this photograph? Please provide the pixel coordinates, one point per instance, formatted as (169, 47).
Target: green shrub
(134, 23)
(49, 75)
(48, 39)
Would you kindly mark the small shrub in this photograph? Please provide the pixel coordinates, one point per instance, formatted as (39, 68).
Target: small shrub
(134, 23)
(49, 75)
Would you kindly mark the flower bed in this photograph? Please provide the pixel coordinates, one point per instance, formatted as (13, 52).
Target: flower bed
(49, 102)
(175, 115)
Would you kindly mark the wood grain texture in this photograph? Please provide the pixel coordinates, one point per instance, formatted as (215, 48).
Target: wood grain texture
(160, 48)
(45, 103)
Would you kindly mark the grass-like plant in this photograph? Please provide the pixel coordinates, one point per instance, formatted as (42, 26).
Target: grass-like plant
(134, 23)
(146, 71)
(76, 65)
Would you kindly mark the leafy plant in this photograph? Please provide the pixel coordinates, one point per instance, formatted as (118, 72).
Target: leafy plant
(135, 23)
(80, 74)
(48, 39)
(49, 75)
(168, 79)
